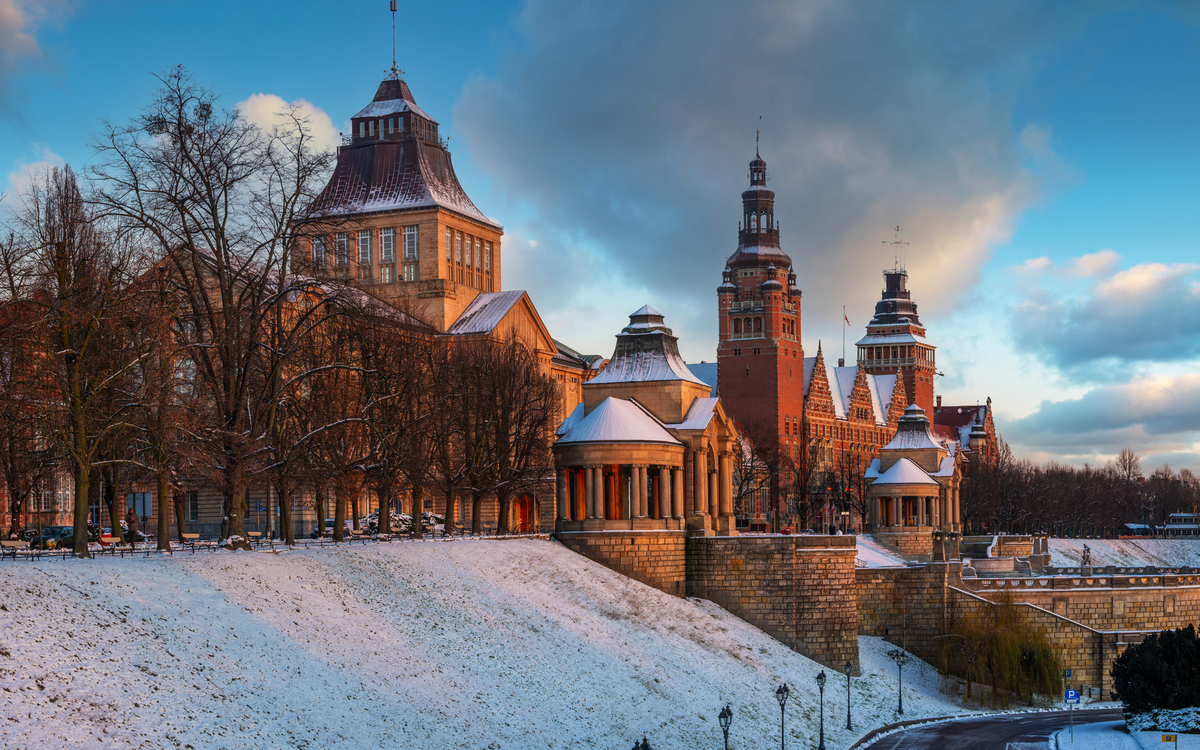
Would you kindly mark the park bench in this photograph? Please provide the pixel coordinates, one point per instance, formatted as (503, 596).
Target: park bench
(108, 543)
(358, 534)
(255, 538)
(10, 547)
(189, 540)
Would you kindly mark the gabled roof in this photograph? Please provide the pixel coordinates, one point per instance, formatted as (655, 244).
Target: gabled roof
(699, 415)
(614, 421)
(905, 471)
(485, 312)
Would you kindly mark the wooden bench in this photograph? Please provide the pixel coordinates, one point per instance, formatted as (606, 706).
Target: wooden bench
(10, 547)
(358, 534)
(108, 544)
(255, 538)
(189, 540)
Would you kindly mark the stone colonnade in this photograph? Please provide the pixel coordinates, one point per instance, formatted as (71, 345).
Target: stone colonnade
(915, 505)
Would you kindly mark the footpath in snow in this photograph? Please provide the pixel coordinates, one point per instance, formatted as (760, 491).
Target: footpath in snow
(1131, 553)
(465, 644)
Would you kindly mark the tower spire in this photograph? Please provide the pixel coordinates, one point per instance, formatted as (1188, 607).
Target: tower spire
(395, 73)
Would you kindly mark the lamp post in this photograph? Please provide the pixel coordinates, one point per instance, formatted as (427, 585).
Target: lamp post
(725, 718)
(643, 745)
(901, 658)
(821, 686)
(781, 695)
(849, 668)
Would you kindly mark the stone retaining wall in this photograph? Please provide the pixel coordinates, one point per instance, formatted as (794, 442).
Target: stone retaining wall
(656, 558)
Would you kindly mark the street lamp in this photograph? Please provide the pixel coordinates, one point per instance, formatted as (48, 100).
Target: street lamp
(781, 695)
(901, 659)
(821, 685)
(725, 718)
(643, 745)
(849, 668)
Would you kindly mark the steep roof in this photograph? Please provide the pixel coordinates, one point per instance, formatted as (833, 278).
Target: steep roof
(393, 175)
(706, 371)
(485, 312)
(912, 432)
(699, 415)
(614, 421)
(905, 471)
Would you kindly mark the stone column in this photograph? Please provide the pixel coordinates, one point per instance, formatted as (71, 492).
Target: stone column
(714, 489)
(664, 492)
(956, 513)
(677, 493)
(589, 490)
(700, 474)
(689, 486)
(560, 480)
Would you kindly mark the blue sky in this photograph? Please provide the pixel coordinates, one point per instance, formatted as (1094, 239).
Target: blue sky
(1041, 158)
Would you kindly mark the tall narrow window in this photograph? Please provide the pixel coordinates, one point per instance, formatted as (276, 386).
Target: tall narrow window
(387, 245)
(193, 506)
(487, 257)
(410, 243)
(468, 251)
(364, 247)
(341, 248)
(362, 129)
(478, 252)
(458, 247)
(372, 128)
(447, 243)
(318, 252)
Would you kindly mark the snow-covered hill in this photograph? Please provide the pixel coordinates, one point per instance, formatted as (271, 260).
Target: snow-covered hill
(466, 644)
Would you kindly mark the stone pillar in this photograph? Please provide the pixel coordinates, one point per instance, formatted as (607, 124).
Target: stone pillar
(689, 486)
(677, 493)
(727, 523)
(956, 513)
(560, 491)
(700, 474)
(714, 490)
(639, 491)
(664, 492)
(590, 490)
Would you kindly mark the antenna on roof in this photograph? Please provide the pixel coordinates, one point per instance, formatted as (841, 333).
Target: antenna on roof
(756, 134)
(897, 248)
(395, 73)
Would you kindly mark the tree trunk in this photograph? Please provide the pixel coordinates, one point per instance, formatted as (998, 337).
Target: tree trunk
(320, 498)
(339, 514)
(289, 528)
(418, 502)
(235, 513)
(82, 480)
(502, 512)
(354, 508)
(385, 510)
(449, 519)
(476, 506)
(164, 511)
(180, 515)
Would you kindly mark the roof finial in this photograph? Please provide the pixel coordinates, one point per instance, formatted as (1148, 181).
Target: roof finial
(897, 247)
(756, 133)
(395, 73)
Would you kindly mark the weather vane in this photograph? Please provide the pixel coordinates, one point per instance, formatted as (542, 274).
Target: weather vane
(897, 245)
(756, 133)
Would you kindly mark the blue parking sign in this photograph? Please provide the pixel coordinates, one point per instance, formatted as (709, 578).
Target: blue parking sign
(1072, 696)
(1068, 673)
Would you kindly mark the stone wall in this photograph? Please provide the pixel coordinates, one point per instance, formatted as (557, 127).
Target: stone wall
(1013, 546)
(798, 589)
(656, 558)
(917, 542)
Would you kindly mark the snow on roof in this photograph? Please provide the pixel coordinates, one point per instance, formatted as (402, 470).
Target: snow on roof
(706, 371)
(905, 471)
(810, 364)
(616, 421)
(390, 107)
(884, 385)
(893, 338)
(574, 418)
(646, 352)
(912, 432)
(485, 312)
(646, 310)
(699, 415)
(946, 468)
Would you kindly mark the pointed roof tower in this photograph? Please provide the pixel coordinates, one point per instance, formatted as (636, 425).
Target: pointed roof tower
(758, 234)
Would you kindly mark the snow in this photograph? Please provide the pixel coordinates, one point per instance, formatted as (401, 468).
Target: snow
(645, 365)
(485, 312)
(706, 372)
(1102, 735)
(872, 554)
(1179, 720)
(461, 644)
(616, 421)
(904, 471)
(700, 413)
(893, 338)
(390, 107)
(1127, 553)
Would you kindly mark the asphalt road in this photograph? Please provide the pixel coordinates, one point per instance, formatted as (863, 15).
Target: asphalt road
(1024, 731)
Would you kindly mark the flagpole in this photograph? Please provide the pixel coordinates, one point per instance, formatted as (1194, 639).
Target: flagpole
(843, 334)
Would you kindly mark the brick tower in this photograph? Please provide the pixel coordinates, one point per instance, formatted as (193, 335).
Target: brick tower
(895, 342)
(759, 357)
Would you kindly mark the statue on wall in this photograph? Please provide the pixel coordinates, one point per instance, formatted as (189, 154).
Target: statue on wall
(1086, 560)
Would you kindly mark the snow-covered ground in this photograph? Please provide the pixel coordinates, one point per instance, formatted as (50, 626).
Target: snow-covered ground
(1127, 552)
(875, 555)
(463, 644)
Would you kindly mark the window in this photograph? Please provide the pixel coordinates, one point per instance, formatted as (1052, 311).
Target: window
(410, 243)
(362, 129)
(458, 247)
(385, 273)
(192, 501)
(468, 251)
(758, 324)
(737, 326)
(387, 245)
(487, 257)
(341, 248)
(391, 124)
(478, 252)
(372, 128)
(318, 252)
(447, 243)
(364, 247)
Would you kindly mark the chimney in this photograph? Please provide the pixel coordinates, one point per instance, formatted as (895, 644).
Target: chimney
(939, 403)
(841, 362)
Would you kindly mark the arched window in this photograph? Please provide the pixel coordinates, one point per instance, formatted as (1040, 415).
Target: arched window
(763, 222)
(754, 222)
(737, 325)
(758, 324)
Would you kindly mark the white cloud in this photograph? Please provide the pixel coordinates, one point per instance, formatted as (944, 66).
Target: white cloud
(267, 111)
(19, 22)
(23, 172)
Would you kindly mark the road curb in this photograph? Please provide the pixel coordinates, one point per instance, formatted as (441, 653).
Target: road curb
(875, 733)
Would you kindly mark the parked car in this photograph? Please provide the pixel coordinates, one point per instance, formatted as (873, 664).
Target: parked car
(52, 537)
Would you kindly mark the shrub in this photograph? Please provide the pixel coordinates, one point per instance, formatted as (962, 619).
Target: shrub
(1161, 672)
(1001, 650)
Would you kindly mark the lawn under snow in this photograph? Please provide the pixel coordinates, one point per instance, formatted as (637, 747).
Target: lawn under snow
(463, 644)
(1067, 553)
(872, 554)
